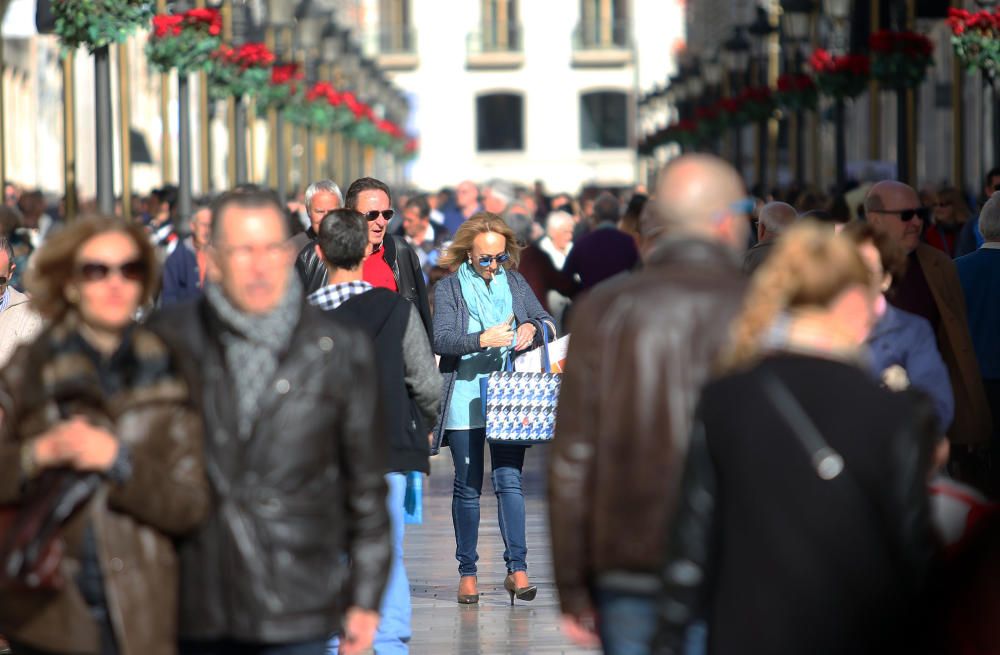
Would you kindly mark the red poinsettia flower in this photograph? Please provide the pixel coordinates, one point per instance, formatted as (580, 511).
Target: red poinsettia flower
(251, 55)
(412, 144)
(352, 102)
(167, 25)
(211, 18)
(790, 83)
(285, 73)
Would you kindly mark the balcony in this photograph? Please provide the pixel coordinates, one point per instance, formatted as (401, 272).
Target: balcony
(497, 47)
(395, 47)
(602, 43)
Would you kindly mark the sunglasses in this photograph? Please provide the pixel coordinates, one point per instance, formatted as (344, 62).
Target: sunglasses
(907, 215)
(387, 214)
(133, 271)
(486, 260)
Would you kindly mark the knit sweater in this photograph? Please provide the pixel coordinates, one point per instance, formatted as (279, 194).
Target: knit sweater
(19, 324)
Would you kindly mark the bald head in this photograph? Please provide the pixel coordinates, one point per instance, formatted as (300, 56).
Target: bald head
(697, 195)
(775, 218)
(886, 206)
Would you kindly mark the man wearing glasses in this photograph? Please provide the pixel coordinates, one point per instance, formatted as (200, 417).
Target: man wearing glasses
(18, 322)
(930, 288)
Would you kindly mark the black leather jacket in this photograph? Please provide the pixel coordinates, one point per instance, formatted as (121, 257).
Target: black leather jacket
(296, 500)
(399, 255)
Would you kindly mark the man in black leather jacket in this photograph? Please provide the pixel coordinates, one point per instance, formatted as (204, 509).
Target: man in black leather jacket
(289, 399)
(391, 263)
(321, 198)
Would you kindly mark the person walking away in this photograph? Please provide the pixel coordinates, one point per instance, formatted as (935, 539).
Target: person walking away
(297, 547)
(642, 346)
(409, 387)
(780, 480)
(485, 311)
(102, 403)
(773, 219)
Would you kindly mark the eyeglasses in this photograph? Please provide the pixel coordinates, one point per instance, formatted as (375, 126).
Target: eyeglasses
(133, 271)
(486, 260)
(906, 215)
(387, 214)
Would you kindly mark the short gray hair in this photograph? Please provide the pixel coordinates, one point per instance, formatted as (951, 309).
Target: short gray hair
(777, 217)
(989, 218)
(324, 186)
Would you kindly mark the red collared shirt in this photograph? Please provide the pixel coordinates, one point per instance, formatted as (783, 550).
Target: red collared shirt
(377, 272)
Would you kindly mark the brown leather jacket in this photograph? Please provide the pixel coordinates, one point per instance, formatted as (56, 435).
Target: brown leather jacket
(166, 495)
(642, 348)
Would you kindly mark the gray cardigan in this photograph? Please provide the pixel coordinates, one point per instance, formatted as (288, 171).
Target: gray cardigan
(451, 325)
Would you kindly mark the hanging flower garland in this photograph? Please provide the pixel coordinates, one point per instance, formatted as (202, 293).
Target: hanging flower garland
(97, 23)
(411, 148)
(184, 42)
(900, 59)
(845, 76)
(283, 89)
(241, 71)
(709, 121)
(684, 133)
(975, 37)
(796, 92)
(756, 103)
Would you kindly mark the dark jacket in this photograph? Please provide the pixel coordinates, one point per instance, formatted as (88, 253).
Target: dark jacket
(181, 278)
(904, 339)
(297, 499)
(757, 255)
(399, 256)
(542, 275)
(133, 523)
(600, 255)
(778, 559)
(979, 274)
(410, 397)
(451, 327)
(642, 347)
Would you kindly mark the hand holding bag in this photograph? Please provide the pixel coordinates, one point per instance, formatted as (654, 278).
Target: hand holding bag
(520, 407)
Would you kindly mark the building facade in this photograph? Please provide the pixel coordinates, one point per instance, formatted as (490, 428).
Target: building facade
(524, 91)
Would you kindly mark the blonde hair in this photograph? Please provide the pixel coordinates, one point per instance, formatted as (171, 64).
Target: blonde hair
(810, 267)
(478, 224)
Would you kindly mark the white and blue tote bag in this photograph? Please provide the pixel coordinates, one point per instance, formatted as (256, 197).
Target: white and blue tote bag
(520, 406)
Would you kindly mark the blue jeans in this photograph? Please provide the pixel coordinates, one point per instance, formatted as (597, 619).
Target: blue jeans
(627, 624)
(468, 451)
(395, 612)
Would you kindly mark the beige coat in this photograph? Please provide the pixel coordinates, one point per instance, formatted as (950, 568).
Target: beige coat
(19, 324)
(972, 423)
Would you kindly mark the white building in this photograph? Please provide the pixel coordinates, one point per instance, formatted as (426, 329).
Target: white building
(523, 90)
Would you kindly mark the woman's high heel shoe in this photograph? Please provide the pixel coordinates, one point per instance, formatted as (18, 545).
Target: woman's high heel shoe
(521, 593)
(468, 599)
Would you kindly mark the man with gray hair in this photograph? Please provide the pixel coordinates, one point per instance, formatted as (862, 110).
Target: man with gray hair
(18, 322)
(643, 345)
(321, 198)
(979, 273)
(774, 218)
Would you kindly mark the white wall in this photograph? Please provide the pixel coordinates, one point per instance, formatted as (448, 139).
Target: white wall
(443, 94)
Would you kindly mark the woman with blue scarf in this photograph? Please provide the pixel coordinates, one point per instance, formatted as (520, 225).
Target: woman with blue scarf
(484, 313)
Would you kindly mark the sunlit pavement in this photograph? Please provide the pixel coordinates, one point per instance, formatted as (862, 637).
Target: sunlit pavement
(440, 625)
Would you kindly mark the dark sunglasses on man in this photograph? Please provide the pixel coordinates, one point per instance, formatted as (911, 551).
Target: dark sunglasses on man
(133, 271)
(907, 215)
(387, 214)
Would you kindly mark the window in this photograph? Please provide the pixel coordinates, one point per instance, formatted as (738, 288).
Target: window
(603, 120)
(500, 122)
(501, 30)
(396, 33)
(603, 24)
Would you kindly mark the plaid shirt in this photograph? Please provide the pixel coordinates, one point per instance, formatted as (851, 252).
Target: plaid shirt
(334, 295)
(5, 299)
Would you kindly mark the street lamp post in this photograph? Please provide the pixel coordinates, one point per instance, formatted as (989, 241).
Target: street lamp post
(761, 31)
(280, 14)
(796, 18)
(312, 23)
(839, 10)
(333, 46)
(736, 55)
(713, 78)
(103, 130)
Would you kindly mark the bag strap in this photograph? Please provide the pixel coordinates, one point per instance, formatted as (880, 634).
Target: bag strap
(826, 461)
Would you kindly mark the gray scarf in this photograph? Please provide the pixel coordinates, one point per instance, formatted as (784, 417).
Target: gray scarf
(252, 344)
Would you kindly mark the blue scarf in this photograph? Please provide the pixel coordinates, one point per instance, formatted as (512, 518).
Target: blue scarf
(489, 304)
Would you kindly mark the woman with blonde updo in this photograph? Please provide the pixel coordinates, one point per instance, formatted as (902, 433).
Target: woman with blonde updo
(803, 521)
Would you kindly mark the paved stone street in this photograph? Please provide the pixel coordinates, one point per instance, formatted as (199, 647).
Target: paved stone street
(440, 625)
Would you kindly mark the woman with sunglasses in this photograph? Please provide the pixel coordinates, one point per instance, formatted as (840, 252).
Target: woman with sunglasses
(949, 213)
(484, 312)
(97, 397)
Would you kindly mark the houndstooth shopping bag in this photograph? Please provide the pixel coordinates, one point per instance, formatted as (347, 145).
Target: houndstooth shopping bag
(520, 407)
